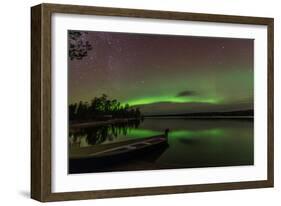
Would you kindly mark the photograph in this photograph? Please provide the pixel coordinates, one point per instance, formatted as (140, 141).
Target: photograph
(141, 101)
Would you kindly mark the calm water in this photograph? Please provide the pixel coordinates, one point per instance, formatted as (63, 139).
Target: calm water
(192, 142)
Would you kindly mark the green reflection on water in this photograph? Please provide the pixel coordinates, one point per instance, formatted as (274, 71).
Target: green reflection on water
(141, 133)
(188, 133)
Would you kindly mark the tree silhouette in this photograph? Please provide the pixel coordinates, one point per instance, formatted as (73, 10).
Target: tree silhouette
(78, 46)
(101, 108)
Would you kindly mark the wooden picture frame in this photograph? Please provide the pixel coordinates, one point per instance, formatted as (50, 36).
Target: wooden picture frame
(41, 117)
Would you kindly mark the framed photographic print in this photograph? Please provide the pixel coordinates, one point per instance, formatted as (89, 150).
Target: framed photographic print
(132, 102)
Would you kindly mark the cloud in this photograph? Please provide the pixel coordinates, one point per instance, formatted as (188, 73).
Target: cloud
(186, 93)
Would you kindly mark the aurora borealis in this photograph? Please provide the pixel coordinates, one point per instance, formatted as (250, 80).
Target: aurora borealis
(165, 74)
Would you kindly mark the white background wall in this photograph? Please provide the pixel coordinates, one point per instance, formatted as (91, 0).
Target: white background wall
(15, 102)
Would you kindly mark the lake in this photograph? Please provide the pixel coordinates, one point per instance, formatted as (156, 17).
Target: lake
(192, 142)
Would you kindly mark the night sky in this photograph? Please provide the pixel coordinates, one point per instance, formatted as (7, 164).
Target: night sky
(165, 74)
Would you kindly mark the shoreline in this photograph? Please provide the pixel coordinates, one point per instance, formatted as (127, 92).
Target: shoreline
(100, 123)
(199, 117)
(114, 121)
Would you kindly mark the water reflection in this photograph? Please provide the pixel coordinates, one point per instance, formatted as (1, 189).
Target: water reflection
(115, 132)
(192, 143)
(102, 134)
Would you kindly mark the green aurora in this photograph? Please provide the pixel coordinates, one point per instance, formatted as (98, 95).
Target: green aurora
(170, 99)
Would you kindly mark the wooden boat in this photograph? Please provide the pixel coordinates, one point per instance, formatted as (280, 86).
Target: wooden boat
(118, 153)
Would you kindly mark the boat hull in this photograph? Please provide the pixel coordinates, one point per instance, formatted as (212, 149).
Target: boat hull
(119, 161)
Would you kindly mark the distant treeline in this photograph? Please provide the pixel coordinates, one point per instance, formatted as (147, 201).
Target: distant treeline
(101, 108)
(209, 114)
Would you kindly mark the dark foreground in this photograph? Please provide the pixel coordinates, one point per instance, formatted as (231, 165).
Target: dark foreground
(117, 153)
